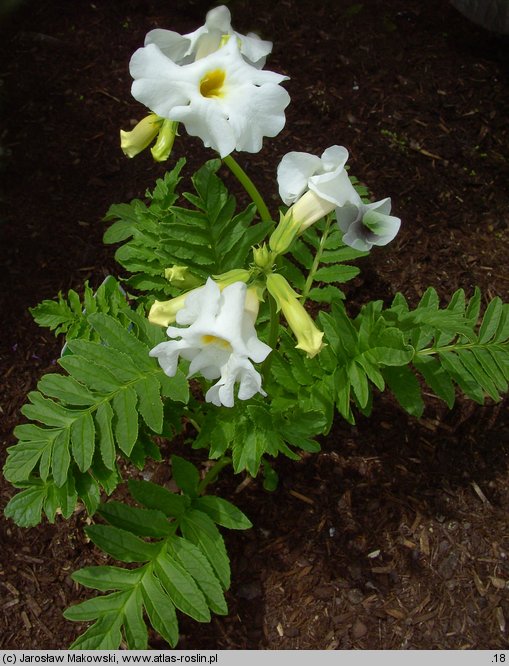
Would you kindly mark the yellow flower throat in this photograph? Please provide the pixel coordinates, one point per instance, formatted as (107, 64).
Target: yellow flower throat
(211, 85)
(214, 340)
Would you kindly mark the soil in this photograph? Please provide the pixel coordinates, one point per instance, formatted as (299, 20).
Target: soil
(396, 535)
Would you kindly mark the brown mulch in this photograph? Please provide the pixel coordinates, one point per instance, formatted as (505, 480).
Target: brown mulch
(396, 535)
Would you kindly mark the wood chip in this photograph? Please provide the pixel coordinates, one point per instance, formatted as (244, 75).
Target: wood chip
(301, 497)
(25, 619)
(499, 615)
(480, 494)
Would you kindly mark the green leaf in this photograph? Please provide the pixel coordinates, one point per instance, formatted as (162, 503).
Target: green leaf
(461, 376)
(491, 320)
(96, 607)
(149, 402)
(134, 624)
(115, 361)
(47, 412)
(403, 383)
(359, 383)
(436, 378)
(198, 528)
(181, 588)
(83, 441)
(126, 418)
(186, 475)
(176, 388)
(143, 522)
(102, 635)
(222, 512)
(103, 420)
(117, 337)
(61, 458)
(122, 545)
(25, 455)
(26, 506)
(200, 569)
(107, 578)
(338, 273)
(89, 373)
(66, 389)
(154, 496)
(160, 610)
(88, 489)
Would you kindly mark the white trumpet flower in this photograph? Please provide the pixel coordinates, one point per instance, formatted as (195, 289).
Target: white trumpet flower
(365, 225)
(184, 49)
(315, 185)
(216, 333)
(220, 98)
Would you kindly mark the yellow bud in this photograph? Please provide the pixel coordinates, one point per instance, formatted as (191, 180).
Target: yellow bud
(285, 232)
(235, 275)
(164, 313)
(309, 209)
(141, 136)
(181, 276)
(309, 338)
(165, 140)
(263, 257)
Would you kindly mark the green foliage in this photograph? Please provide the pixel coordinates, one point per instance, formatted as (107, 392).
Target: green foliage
(69, 315)
(390, 348)
(320, 256)
(251, 431)
(207, 235)
(80, 422)
(453, 348)
(184, 564)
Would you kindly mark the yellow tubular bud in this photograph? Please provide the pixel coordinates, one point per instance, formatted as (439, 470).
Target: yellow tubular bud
(309, 338)
(164, 313)
(309, 209)
(141, 136)
(165, 140)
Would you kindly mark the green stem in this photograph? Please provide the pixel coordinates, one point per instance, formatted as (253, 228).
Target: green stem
(273, 335)
(439, 350)
(249, 186)
(316, 262)
(213, 473)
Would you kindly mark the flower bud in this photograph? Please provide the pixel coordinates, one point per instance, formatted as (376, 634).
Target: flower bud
(309, 338)
(165, 140)
(263, 257)
(285, 232)
(181, 276)
(164, 313)
(141, 136)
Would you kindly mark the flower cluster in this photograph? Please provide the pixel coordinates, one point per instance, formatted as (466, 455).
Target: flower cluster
(213, 82)
(220, 341)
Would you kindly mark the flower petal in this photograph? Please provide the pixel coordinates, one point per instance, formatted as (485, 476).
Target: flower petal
(293, 174)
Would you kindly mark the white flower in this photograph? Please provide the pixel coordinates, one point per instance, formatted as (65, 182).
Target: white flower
(325, 176)
(184, 49)
(222, 99)
(315, 185)
(366, 225)
(219, 340)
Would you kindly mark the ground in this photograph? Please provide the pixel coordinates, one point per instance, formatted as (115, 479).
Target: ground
(396, 535)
